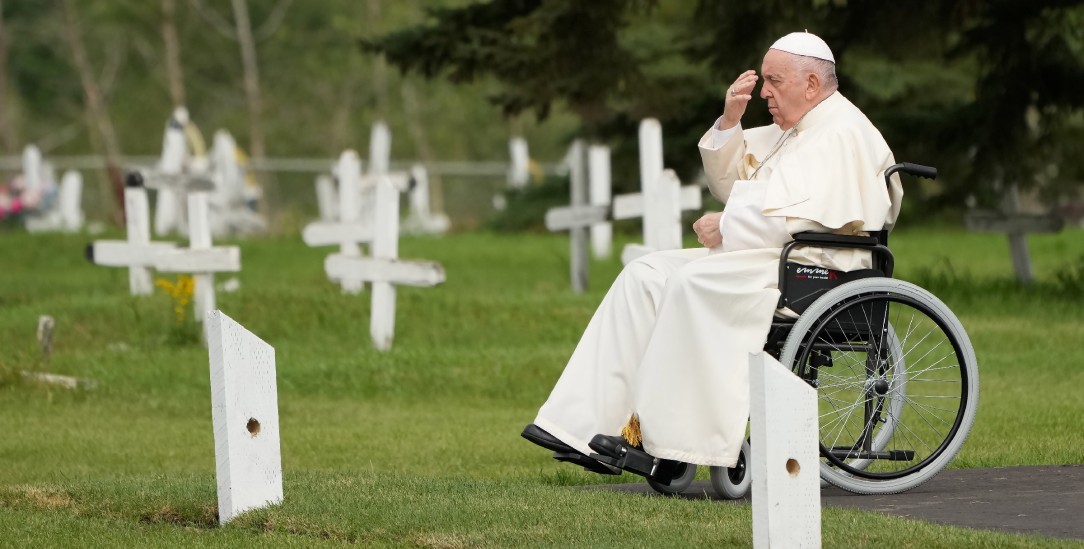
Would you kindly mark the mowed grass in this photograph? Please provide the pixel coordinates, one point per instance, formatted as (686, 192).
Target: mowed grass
(420, 447)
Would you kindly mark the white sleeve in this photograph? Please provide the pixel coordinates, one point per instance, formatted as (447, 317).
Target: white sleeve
(720, 137)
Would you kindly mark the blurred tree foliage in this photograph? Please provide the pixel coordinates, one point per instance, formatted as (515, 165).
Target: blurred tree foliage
(320, 92)
(988, 90)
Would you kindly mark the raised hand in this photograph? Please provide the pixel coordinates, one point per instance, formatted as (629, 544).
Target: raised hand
(738, 96)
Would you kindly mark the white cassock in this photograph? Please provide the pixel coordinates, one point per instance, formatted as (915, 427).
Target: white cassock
(670, 341)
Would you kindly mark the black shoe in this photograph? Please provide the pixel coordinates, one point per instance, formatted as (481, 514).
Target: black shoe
(587, 463)
(542, 438)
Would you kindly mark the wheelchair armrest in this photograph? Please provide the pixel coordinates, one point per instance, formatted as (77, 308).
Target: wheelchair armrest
(834, 240)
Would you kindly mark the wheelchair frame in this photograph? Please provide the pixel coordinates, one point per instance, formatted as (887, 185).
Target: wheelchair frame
(844, 314)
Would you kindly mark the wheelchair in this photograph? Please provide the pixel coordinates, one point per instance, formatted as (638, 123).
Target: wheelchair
(895, 373)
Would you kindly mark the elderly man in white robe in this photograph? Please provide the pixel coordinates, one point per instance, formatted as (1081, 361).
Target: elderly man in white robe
(664, 360)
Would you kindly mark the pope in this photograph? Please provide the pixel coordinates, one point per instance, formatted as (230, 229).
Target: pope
(663, 364)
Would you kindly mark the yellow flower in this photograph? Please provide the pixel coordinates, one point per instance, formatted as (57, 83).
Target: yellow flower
(181, 292)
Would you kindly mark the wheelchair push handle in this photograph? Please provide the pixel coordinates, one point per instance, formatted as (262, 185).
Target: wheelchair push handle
(929, 172)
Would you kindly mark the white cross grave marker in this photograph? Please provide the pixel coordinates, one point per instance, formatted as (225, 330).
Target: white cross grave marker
(65, 213)
(384, 269)
(200, 258)
(599, 194)
(519, 171)
(356, 196)
(137, 252)
(33, 168)
(70, 201)
(350, 230)
(661, 200)
(232, 215)
(784, 461)
(245, 415)
(1015, 225)
(577, 217)
(167, 209)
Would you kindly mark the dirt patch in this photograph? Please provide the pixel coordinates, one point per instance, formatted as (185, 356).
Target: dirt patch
(443, 541)
(206, 517)
(47, 497)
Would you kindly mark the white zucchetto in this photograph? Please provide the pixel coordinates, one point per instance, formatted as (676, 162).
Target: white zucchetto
(804, 43)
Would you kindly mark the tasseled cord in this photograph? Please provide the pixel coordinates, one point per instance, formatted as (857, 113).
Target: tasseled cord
(631, 431)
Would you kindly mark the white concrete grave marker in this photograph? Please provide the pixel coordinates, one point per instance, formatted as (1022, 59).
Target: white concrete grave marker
(661, 200)
(784, 461)
(137, 253)
(245, 414)
(420, 219)
(168, 206)
(577, 217)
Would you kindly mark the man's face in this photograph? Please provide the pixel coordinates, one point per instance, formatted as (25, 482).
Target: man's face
(784, 88)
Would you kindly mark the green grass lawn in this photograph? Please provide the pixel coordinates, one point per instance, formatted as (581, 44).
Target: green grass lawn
(420, 447)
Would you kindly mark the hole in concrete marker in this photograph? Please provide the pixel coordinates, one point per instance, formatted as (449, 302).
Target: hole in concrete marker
(253, 427)
(792, 465)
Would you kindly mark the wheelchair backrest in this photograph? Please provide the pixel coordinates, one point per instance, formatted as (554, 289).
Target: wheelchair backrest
(803, 284)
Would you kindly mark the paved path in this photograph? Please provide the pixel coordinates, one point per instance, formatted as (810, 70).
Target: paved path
(1046, 500)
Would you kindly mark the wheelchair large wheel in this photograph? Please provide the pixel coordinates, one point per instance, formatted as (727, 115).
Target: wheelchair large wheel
(896, 379)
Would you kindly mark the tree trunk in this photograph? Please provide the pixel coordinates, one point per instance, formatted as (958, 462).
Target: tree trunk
(251, 79)
(173, 54)
(97, 115)
(380, 65)
(7, 127)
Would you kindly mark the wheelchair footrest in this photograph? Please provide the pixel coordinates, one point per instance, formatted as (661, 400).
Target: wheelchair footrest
(595, 466)
(845, 452)
(633, 461)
